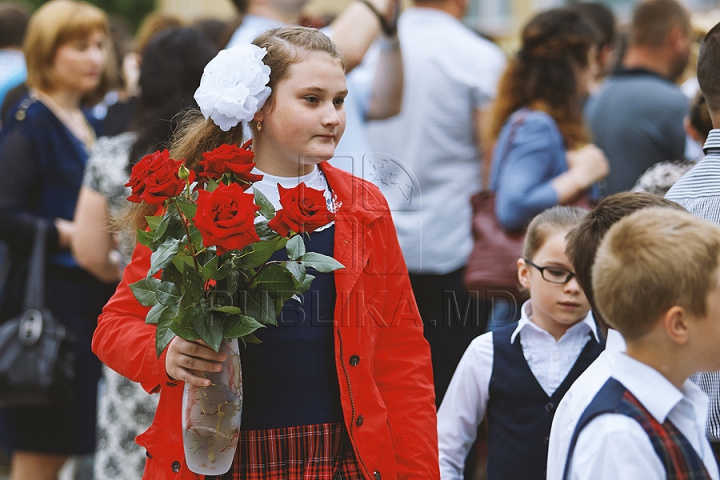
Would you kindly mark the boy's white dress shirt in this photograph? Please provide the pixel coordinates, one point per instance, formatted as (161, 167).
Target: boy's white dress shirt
(463, 407)
(615, 447)
(576, 400)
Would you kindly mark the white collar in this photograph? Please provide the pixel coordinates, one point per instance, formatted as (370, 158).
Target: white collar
(587, 323)
(273, 181)
(653, 390)
(615, 342)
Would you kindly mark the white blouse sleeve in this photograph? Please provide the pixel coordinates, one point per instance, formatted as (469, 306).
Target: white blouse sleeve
(463, 407)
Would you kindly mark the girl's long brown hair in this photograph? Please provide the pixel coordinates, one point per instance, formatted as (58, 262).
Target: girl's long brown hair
(543, 74)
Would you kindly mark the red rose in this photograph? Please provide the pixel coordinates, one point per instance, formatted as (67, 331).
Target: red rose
(230, 158)
(144, 168)
(155, 178)
(304, 211)
(226, 218)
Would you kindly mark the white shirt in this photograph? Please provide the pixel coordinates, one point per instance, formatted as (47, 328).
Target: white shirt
(576, 400)
(465, 402)
(251, 27)
(449, 73)
(615, 447)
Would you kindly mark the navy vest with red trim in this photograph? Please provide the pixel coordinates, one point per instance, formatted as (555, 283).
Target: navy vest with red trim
(519, 412)
(677, 455)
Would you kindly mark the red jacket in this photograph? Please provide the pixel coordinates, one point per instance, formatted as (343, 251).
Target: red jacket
(382, 359)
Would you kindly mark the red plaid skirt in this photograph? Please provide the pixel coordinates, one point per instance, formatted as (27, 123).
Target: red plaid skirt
(320, 451)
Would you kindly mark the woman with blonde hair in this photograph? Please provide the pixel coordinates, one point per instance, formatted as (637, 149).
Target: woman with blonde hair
(44, 146)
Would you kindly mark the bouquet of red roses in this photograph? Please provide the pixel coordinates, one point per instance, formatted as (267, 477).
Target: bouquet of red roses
(210, 274)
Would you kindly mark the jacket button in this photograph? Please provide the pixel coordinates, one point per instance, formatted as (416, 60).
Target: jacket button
(354, 360)
(360, 420)
(376, 475)
(176, 467)
(547, 441)
(549, 407)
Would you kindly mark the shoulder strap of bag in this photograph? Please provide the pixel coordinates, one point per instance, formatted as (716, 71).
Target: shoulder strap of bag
(35, 286)
(517, 121)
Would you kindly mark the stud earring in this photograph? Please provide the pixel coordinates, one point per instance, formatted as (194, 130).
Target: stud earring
(258, 126)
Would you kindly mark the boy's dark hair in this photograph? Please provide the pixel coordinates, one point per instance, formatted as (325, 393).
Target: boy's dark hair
(654, 19)
(13, 24)
(584, 240)
(708, 68)
(700, 116)
(603, 19)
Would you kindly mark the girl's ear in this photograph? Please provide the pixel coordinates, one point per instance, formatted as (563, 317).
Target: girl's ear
(259, 115)
(523, 273)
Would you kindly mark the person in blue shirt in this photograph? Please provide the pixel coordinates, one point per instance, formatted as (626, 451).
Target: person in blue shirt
(542, 157)
(43, 150)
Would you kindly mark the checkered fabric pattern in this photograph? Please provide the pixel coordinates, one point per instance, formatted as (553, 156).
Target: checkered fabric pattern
(678, 456)
(699, 192)
(321, 452)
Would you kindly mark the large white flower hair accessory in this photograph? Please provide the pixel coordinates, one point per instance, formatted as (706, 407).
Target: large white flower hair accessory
(234, 85)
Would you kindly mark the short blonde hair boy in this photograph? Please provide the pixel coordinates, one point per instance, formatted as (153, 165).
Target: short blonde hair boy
(650, 261)
(55, 24)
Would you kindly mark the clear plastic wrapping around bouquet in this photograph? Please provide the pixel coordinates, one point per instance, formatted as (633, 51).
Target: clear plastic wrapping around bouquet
(211, 416)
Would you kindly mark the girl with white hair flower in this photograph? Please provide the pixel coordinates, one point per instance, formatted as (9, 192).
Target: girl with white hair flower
(342, 386)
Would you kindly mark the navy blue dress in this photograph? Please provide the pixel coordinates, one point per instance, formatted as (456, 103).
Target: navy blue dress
(43, 165)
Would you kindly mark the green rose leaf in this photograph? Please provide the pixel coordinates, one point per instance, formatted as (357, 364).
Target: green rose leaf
(232, 282)
(209, 327)
(295, 247)
(145, 238)
(297, 269)
(163, 336)
(228, 309)
(265, 233)
(171, 274)
(168, 294)
(321, 263)
(305, 285)
(240, 325)
(266, 207)
(258, 304)
(163, 255)
(185, 332)
(274, 279)
(187, 208)
(193, 284)
(210, 269)
(250, 338)
(144, 291)
(153, 221)
(181, 260)
(260, 253)
(153, 315)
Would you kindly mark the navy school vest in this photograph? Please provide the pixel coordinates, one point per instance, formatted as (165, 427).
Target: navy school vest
(677, 455)
(519, 412)
(290, 378)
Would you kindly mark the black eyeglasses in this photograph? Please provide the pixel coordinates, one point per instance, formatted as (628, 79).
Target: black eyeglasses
(552, 274)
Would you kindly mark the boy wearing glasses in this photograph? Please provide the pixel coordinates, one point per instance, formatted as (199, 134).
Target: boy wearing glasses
(516, 375)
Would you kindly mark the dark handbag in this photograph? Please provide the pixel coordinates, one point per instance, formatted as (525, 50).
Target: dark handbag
(492, 266)
(36, 353)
